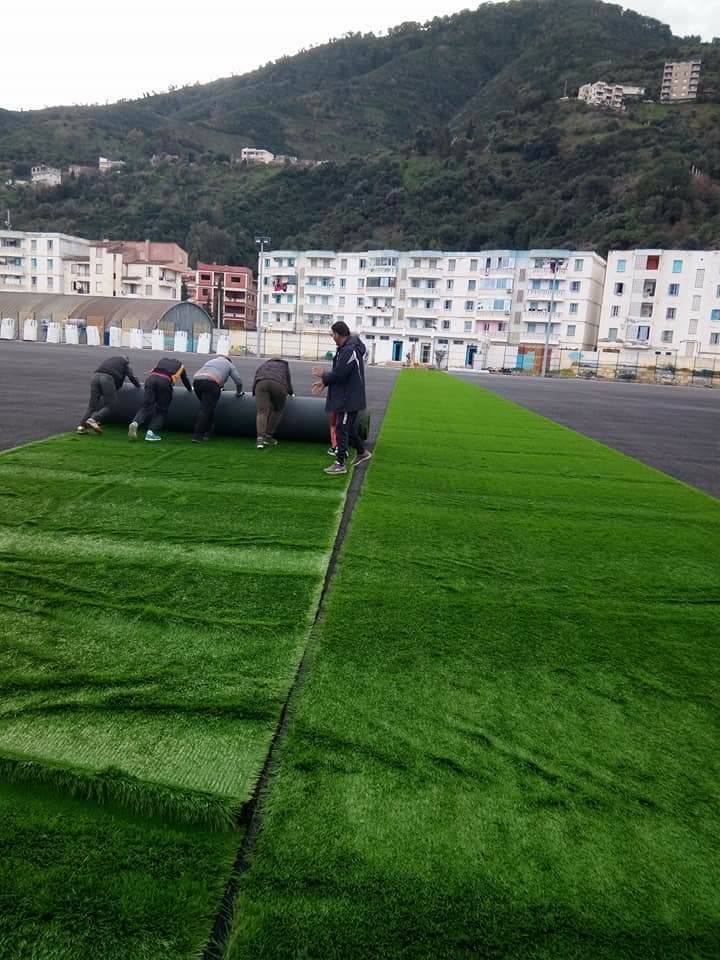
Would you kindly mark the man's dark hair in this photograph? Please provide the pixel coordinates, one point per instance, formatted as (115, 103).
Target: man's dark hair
(340, 328)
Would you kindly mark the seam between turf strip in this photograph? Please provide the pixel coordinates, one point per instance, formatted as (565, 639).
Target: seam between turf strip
(251, 814)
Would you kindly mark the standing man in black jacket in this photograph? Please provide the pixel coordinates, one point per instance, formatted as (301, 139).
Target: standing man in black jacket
(106, 381)
(346, 395)
(158, 397)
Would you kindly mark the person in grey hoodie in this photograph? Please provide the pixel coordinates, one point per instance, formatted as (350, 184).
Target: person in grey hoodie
(271, 387)
(208, 384)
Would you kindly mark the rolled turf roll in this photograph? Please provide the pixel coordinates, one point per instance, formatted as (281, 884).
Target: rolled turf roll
(304, 418)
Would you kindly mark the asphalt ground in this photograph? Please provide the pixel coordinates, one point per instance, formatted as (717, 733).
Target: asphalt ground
(675, 429)
(44, 388)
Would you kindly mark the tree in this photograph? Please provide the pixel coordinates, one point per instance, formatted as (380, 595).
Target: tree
(209, 244)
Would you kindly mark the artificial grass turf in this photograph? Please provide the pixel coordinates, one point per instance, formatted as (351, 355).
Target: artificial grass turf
(506, 743)
(78, 881)
(155, 602)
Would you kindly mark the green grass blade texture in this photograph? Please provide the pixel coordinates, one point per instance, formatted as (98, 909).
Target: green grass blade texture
(506, 745)
(155, 600)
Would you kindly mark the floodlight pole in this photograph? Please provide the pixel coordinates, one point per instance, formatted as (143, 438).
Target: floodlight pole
(260, 243)
(554, 264)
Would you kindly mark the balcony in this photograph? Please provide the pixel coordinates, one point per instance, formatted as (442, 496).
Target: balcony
(431, 272)
(545, 273)
(389, 271)
(13, 281)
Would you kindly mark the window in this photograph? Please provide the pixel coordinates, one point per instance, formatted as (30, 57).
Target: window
(266, 297)
(415, 282)
(670, 313)
(621, 266)
(619, 289)
(473, 265)
(361, 284)
(699, 279)
(450, 284)
(343, 265)
(535, 284)
(677, 266)
(531, 327)
(413, 323)
(363, 263)
(469, 304)
(468, 326)
(148, 289)
(653, 262)
(571, 329)
(448, 304)
(33, 262)
(579, 265)
(717, 292)
(696, 301)
(343, 283)
(148, 271)
(432, 263)
(501, 327)
(341, 301)
(486, 327)
(574, 307)
(472, 284)
(575, 286)
(612, 333)
(674, 290)
(417, 263)
(692, 326)
(50, 283)
(715, 315)
(451, 265)
(386, 322)
(446, 324)
(361, 301)
(33, 244)
(429, 304)
(667, 336)
(267, 263)
(98, 268)
(50, 245)
(714, 339)
(642, 333)
(51, 263)
(646, 309)
(649, 287)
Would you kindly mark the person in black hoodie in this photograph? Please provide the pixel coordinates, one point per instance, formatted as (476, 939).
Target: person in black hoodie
(271, 388)
(345, 385)
(105, 383)
(158, 397)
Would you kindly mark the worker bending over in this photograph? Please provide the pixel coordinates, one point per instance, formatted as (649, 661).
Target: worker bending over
(208, 384)
(158, 397)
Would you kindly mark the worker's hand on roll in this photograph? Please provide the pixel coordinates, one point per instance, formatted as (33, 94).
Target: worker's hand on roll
(317, 388)
(318, 371)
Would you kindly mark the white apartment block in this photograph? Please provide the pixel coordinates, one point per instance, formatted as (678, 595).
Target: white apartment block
(256, 155)
(45, 176)
(662, 302)
(35, 262)
(609, 95)
(468, 307)
(680, 81)
(56, 263)
(105, 165)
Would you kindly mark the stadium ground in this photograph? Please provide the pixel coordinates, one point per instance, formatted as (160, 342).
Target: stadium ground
(675, 429)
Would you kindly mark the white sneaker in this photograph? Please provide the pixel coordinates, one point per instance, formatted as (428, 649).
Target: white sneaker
(152, 437)
(132, 431)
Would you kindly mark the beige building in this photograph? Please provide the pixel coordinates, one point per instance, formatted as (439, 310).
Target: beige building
(35, 262)
(256, 155)
(612, 96)
(44, 176)
(680, 81)
(128, 269)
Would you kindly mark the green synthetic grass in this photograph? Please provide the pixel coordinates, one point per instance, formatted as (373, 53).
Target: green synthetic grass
(154, 603)
(506, 743)
(80, 882)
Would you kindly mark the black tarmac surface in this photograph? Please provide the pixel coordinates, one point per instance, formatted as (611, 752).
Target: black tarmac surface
(675, 429)
(44, 387)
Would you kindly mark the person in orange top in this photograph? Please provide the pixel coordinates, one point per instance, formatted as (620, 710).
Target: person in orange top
(158, 397)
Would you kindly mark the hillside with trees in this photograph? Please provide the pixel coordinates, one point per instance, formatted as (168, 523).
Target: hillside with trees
(451, 134)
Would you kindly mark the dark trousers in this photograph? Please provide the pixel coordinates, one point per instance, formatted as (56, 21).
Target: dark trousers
(158, 397)
(103, 394)
(346, 427)
(208, 393)
(270, 398)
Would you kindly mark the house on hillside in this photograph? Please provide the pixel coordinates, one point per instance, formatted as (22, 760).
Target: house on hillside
(105, 165)
(256, 155)
(45, 176)
(611, 96)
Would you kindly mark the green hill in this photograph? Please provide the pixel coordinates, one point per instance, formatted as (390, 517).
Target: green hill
(447, 134)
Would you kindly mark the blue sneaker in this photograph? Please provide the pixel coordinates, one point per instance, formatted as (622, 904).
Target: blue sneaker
(152, 436)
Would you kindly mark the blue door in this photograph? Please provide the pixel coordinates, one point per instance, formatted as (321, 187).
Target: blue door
(397, 350)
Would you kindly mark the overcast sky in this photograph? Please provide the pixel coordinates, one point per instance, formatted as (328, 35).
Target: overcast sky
(89, 52)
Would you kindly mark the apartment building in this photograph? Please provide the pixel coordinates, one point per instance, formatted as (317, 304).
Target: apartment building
(256, 155)
(466, 307)
(128, 268)
(227, 293)
(662, 302)
(612, 96)
(35, 262)
(680, 81)
(45, 176)
(105, 165)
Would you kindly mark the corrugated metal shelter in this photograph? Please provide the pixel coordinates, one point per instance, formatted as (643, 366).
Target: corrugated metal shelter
(128, 313)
